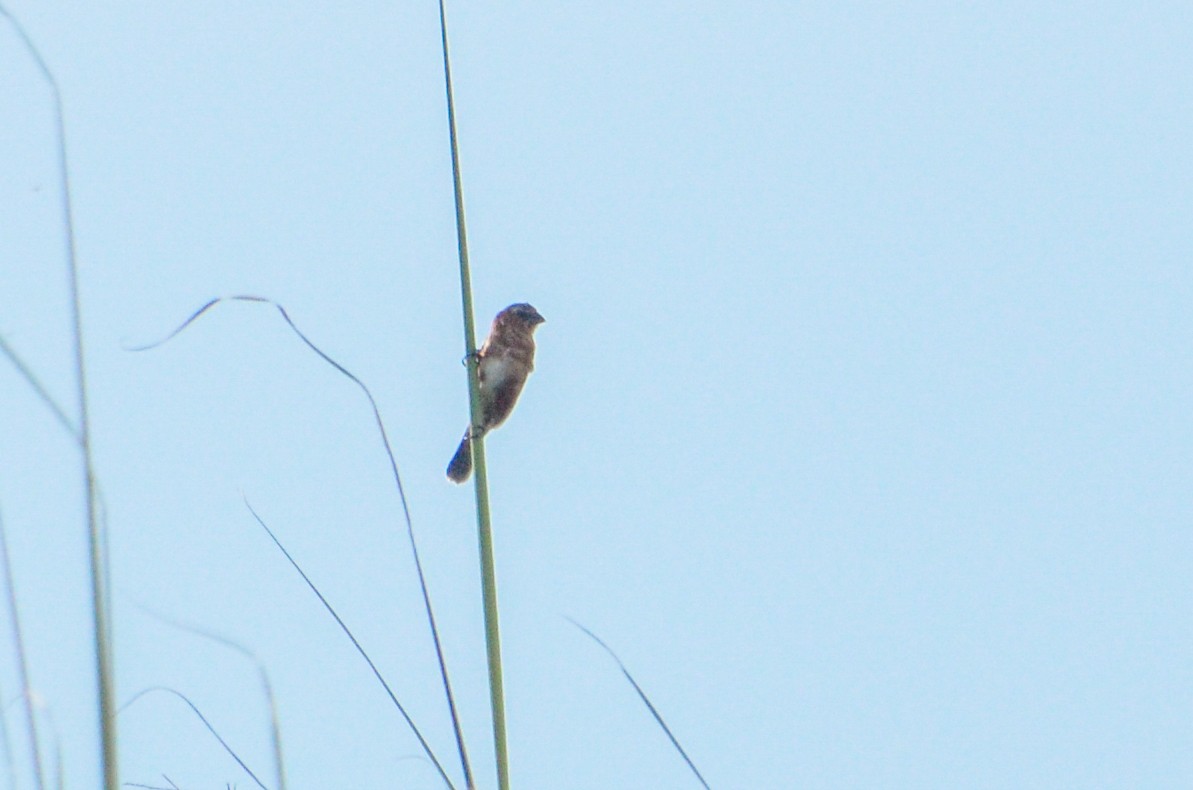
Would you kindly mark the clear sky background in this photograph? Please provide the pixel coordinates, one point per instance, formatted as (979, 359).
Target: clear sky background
(861, 425)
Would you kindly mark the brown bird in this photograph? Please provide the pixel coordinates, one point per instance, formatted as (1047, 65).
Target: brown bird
(506, 359)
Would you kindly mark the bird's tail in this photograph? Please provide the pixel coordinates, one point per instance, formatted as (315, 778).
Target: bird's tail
(461, 464)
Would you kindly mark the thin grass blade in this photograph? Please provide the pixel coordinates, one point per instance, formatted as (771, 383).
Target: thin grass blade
(645, 699)
(96, 543)
(359, 648)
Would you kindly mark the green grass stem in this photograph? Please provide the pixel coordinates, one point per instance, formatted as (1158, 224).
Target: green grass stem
(96, 544)
(483, 520)
(10, 594)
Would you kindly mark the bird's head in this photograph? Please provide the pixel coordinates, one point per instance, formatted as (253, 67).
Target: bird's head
(523, 314)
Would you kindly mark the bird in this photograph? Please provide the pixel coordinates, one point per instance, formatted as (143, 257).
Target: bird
(505, 361)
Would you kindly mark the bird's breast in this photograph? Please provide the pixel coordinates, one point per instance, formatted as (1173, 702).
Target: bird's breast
(495, 371)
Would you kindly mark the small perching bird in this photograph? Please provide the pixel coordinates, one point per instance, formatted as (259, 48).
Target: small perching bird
(506, 360)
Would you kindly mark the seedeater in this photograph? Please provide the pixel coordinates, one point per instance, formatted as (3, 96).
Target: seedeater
(506, 360)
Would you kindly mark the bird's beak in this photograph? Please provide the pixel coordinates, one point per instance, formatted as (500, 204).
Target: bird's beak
(538, 319)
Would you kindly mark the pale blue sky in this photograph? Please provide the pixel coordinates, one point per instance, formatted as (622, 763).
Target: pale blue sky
(861, 422)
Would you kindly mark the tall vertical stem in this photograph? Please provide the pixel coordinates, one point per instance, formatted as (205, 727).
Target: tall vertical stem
(96, 544)
(484, 527)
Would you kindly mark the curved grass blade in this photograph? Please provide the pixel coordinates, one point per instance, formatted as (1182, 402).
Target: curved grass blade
(266, 686)
(646, 700)
(210, 728)
(393, 465)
